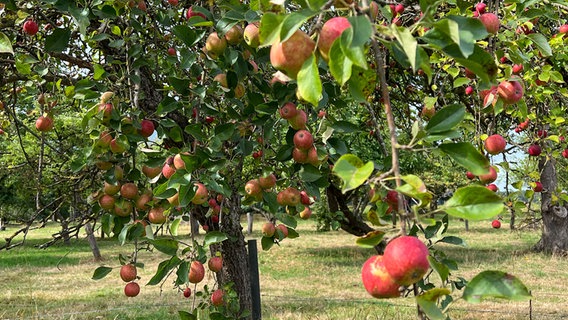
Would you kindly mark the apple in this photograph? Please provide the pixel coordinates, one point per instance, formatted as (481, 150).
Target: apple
(480, 7)
(147, 128)
(44, 123)
(111, 189)
(131, 289)
(129, 190)
(305, 198)
(128, 272)
(496, 224)
(201, 194)
(192, 13)
(565, 153)
(392, 198)
(116, 146)
(178, 161)
(215, 45)
(222, 79)
(235, 35)
(330, 31)
(142, 5)
(503, 59)
(142, 201)
(538, 187)
(104, 139)
(488, 177)
(239, 90)
(288, 111)
(493, 187)
(306, 213)
(156, 215)
(168, 170)
(290, 55)
(283, 229)
(563, 29)
(303, 140)
(491, 22)
(469, 90)
(288, 197)
(427, 112)
(30, 27)
(534, 150)
(541, 133)
(252, 35)
(322, 114)
(399, 9)
(298, 122)
(313, 158)
(253, 189)
(151, 172)
(174, 3)
(267, 182)
(122, 208)
(171, 51)
(470, 175)
(215, 264)
(268, 229)
(106, 202)
(469, 74)
(495, 144)
(517, 68)
(377, 280)
(510, 91)
(300, 156)
(187, 291)
(406, 260)
(106, 110)
(373, 10)
(217, 297)
(196, 272)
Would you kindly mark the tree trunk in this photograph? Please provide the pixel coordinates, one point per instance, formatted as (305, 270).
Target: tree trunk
(250, 219)
(554, 237)
(235, 256)
(93, 242)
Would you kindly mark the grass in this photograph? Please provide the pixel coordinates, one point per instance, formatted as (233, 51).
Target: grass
(316, 276)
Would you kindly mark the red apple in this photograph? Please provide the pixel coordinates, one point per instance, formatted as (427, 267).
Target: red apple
(290, 55)
(313, 158)
(253, 189)
(377, 280)
(156, 215)
(427, 112)
(470, 175)
(187, 291)
(490, 21)
(215, 264)
(131, 289)
(322, 114)
(480, 7)
(299, 155)
(222, 79)
(151, 172)
(538, 187)
(330, 31)
(129, 190)
(201, 194)
(122, 208)
(267, 182)
(107, 202)
(406, 260)
(541, 133)
(283, 229)
(488, 177)
(299, 121)
(116, 146)
(399, 9)
(493, 187)
(268, 229)
(305, 198)
(495, 144)
(192, 13)
(215, 45)
(306, 213)
(44, 123)
(288, 110)
(288, 197)
(251, 35)
(217, 297)
(469, 90)
(517, 68)
(128, 272)
(143, 200)
(496, 224)
(563, 28)
(111, 189)
(168, 170)
(196, 272)
(534, 150)
(565, 153)
(303, 140)
(510, 91)
(171, 51)
(30, 27)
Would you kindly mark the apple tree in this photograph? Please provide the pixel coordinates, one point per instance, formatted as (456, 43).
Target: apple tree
(200, 110)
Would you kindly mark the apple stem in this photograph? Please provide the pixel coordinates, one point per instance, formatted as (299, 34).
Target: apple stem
(392, 132)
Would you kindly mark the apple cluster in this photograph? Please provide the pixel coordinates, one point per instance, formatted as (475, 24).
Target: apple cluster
(404, 262)
(129, 273)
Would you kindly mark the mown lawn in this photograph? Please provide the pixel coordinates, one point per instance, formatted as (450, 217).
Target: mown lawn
(316, 276)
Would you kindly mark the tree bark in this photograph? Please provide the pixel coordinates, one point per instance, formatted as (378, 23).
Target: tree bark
(554, 238)
(235, 256)
(93, 242)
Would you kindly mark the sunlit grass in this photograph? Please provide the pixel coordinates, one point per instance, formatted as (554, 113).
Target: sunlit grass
(316, 276)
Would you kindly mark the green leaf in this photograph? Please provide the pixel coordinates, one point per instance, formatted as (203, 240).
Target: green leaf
(224, 131)
(184, 315)
(182, 273)
(267, 243)
(214, 237)
(541, 43)
(293, 22)
(409, 45)
(5, 44)
(441, 269)
(309, 173)
(371, 239)
(101, 272)
(340, 65)
(446, 119)
(466, 155)
(416, 189)
(309, 82)
(174, 226)
(167, 246)
(163, 269)
(352, 171)
(270, 26)
(463, 31)
(495, 284)
(185, 34)
(453, 240)
(58, 40)
(427, 302)
(473, 203)
(362, 30)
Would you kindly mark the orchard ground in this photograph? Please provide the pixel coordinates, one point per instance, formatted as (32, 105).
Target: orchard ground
(316, 276)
